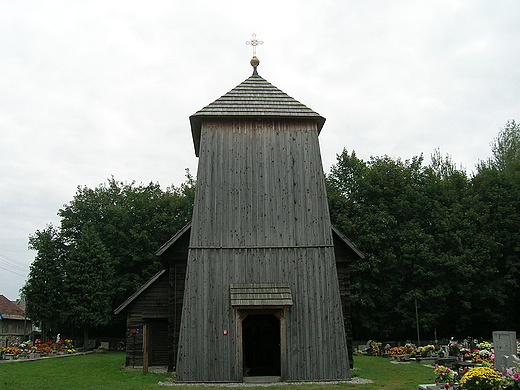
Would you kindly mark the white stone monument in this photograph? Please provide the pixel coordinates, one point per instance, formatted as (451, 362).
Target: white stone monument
(504, 343)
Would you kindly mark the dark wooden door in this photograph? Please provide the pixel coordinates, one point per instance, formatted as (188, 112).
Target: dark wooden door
(158, 342)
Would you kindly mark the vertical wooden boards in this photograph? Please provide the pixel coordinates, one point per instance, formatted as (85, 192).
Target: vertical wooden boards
(177, 279)
(261, 216)
(260, 183)
(152, 303)
(316, 344)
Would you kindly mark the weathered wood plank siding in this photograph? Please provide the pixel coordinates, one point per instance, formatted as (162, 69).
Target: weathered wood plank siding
(261, 183)
(151, 304)
(343, 269)
(345, 256)
(177, 279)
(175, 255)
(261, 216)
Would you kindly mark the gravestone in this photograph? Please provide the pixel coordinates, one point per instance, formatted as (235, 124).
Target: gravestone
(504, 343)
(91, 344)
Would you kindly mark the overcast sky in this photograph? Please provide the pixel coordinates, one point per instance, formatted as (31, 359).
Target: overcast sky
(91, 89)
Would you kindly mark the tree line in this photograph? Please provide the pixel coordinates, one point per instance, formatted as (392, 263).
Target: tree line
(433, 236)
(101, 253)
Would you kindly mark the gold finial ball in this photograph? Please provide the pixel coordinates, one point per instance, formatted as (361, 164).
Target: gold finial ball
(255, 62)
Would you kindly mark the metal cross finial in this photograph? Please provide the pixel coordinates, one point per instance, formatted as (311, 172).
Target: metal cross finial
(254, 42)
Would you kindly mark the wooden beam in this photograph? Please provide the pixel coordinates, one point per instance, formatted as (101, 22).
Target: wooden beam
(145, 349)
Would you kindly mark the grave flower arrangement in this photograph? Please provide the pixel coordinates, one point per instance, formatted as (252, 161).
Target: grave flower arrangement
(68, 343)
(444, 376)
(27, 347)
(49, 347)
(11, 350)
(426, 350)
(484, 353)
(44, 348)
(375, 347)
(454, 348)
(511, 378)
(410, 348)
(465, 353)
(481, 378)
(407, 349)
(395, 351)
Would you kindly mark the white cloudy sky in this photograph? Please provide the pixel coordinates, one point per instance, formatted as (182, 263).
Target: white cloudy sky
(90, 89)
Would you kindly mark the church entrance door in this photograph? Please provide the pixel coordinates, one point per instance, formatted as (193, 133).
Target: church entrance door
(261, 345)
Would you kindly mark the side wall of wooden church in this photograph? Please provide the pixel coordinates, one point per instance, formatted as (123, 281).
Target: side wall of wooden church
(344, 259)
(151, 306)
(177, 279)
(175, 257)
(261, 216)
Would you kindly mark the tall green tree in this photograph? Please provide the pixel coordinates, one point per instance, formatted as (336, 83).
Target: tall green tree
(400, 214)
(43, 291)
(88, 282)
(110, 232)
(132, 221)
(434, 236)
(496, 192)
(506, 147)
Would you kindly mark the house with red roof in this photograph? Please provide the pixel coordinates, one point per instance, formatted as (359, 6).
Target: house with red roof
(15, 327)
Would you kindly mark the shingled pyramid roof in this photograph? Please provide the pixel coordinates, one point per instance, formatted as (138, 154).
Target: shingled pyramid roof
(254, 97)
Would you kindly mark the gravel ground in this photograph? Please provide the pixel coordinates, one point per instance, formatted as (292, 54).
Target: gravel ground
(355, 381)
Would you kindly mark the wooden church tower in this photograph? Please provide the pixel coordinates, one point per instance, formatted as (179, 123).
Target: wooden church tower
(261, 294)
(257, 285)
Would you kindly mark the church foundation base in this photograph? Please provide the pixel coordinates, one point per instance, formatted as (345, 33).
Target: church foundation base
(262, 379)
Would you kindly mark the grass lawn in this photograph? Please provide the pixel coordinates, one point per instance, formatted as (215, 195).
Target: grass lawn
(94, 371)
(106, 371)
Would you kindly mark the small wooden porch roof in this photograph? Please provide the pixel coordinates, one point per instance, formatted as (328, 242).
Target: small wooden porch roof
(269, 295)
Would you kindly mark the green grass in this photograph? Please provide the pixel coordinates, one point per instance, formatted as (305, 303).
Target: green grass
(94, 371)
(387, 375)
(106, 371)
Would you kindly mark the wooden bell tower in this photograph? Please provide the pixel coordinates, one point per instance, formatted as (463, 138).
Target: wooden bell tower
(261, 294)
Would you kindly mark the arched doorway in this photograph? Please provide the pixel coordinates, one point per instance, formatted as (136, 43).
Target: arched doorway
(261, 345)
